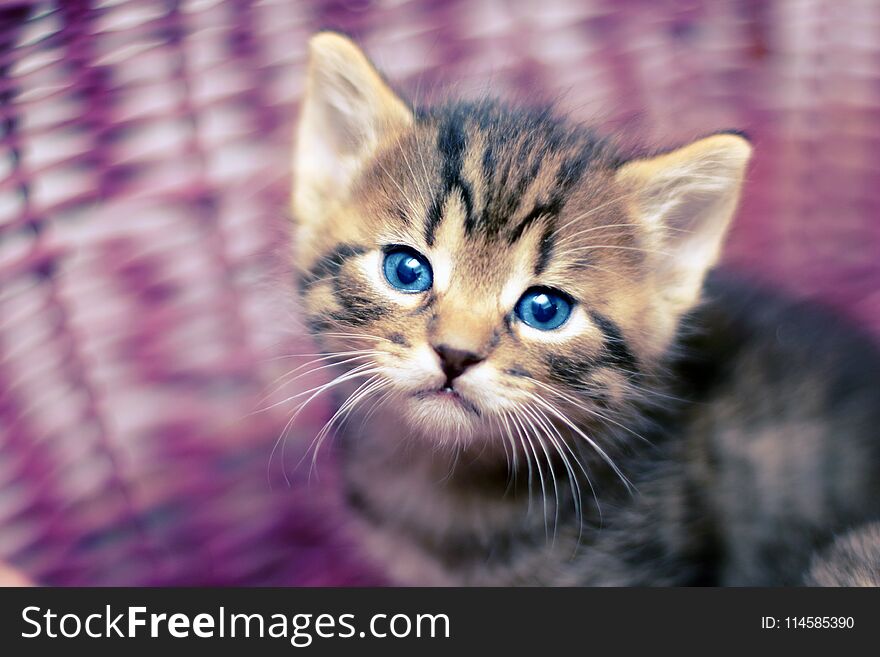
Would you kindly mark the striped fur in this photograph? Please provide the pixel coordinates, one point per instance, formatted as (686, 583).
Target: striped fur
(616, 449)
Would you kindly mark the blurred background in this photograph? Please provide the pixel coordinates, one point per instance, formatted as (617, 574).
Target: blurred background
(146, 306)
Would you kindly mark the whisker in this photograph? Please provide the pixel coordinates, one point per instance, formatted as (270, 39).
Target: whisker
(605, 457)
(412, 207)
(422, 195)
(508, 421)
(572, 236)
(526, 438)
(582, 249)
(504, 444)
(327, 385)
(370, 386)
(285, 379)
(514, 465)
(562, 446)
(549, 430)
(551, 469)
(592, 211)
(315, 392)
(591, 411)
(377, 404)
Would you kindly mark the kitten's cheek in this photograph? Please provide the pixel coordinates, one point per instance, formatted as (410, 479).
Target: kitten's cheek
(484, 386)
(425, 360)
(418, 371)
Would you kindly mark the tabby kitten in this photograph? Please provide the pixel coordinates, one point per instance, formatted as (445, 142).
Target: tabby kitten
(546, 386)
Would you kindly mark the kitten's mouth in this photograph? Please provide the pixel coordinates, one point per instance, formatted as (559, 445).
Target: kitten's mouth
(448, 394)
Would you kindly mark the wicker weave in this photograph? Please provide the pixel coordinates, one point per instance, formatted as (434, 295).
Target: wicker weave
(144, 289)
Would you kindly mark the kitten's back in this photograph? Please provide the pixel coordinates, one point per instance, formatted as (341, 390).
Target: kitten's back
(785, 426)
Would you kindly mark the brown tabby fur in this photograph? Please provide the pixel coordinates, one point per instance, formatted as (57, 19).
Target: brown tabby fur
(675, 430)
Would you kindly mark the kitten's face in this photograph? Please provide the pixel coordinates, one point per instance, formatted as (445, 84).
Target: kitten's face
(415, 275)
(493, 267)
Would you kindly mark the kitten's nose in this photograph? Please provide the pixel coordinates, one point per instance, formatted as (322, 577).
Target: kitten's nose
(455, 361)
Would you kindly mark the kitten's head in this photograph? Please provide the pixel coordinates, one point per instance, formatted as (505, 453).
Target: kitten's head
(490, 264)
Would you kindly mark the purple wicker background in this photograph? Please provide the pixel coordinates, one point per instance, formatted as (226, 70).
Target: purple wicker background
(145, 300)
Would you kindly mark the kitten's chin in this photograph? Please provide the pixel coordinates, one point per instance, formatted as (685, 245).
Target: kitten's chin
(443, 417)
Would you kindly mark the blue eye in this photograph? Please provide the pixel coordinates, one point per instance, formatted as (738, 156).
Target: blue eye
(543, 308)
(407, 270)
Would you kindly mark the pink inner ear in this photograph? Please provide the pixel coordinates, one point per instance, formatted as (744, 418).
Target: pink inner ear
(346, 110)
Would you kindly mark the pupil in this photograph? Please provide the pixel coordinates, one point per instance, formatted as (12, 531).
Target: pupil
(408, 270)
(543, 309)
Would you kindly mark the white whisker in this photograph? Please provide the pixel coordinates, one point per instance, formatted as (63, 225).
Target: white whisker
(314, 392)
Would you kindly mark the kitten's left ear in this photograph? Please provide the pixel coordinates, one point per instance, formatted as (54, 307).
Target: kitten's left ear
(686, 198)
(347, 110)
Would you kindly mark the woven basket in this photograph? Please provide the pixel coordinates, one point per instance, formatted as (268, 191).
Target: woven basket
(145, 298)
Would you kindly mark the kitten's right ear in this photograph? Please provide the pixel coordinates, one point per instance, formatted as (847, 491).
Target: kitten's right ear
(686, 199)
(346, 111)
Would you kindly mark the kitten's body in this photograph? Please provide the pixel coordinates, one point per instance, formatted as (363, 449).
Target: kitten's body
(666, 431)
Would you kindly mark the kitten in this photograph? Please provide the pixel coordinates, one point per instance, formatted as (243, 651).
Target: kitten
(552, 388)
